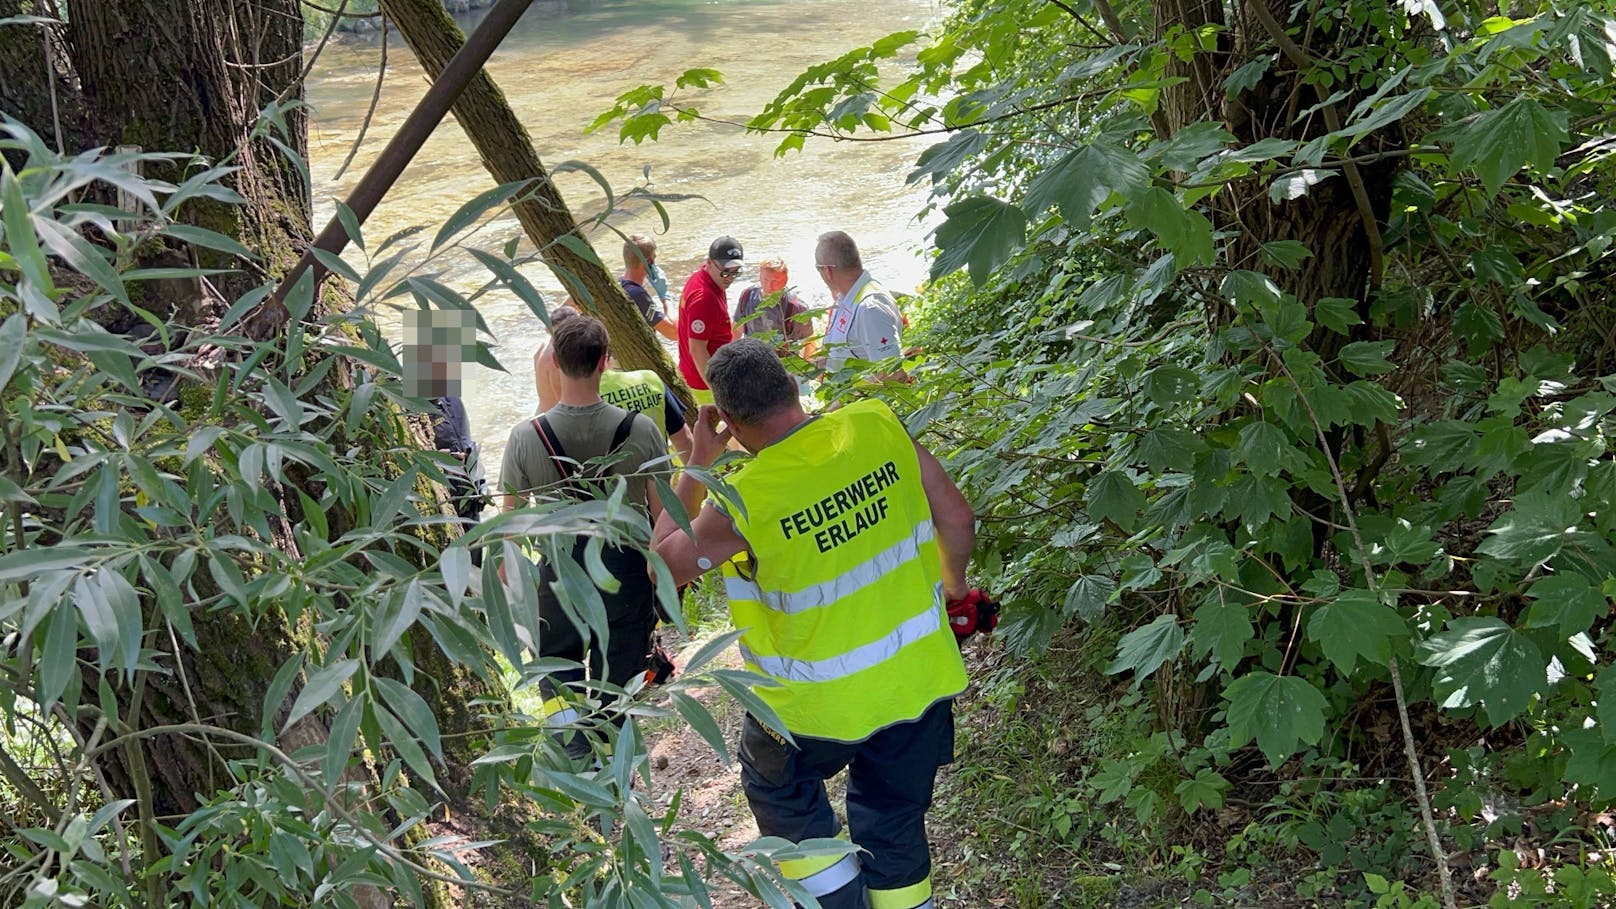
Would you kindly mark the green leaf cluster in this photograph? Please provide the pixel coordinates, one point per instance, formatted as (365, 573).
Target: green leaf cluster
(183, 504)
(1295, 394)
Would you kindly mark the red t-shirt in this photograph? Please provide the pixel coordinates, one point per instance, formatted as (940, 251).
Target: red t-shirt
(703, 316)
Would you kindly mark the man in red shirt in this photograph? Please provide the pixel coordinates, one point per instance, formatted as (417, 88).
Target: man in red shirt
(704, 322)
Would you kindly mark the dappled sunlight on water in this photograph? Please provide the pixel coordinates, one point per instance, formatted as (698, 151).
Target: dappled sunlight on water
(563, 65)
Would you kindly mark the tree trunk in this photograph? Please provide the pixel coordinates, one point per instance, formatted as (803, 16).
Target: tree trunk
(36, 84)
(508, 154)
(195, 75)
(167, 75)
(1328, 219)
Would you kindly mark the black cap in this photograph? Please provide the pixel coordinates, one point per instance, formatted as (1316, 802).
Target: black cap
(726, 251)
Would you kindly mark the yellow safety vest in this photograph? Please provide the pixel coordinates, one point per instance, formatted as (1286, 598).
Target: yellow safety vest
(639, 391)
(842, 599)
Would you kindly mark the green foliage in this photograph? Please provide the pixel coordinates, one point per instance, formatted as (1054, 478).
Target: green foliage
(1308, 453)
(1228, 438)
(1293, 339)
(177, 494)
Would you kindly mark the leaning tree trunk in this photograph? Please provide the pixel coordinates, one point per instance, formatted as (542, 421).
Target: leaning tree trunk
(508, 154)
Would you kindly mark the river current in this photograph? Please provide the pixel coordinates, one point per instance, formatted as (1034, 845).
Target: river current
(565, 63)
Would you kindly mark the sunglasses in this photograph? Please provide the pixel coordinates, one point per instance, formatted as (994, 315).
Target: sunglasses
(730, 272)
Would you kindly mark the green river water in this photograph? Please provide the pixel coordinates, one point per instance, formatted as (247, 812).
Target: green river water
(561, 66)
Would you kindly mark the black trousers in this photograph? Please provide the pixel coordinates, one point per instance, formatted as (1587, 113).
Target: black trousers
(630, 618)
(889, 787)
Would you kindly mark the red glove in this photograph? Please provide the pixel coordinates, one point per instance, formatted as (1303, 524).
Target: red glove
(976, 611)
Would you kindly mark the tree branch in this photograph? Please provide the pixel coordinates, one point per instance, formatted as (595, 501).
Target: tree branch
(1078, 18)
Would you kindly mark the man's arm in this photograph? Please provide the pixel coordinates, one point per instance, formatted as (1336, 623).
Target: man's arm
(653, 502)
(699, 356)
(716, 540)
(682, 443)
(673, 420)
(545, 380)
(511, 478)
(667, 329)
(877, 335)
(953, 519)
(715, 537)
(538, 369)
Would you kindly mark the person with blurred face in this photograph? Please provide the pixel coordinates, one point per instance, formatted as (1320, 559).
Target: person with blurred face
(704, 321)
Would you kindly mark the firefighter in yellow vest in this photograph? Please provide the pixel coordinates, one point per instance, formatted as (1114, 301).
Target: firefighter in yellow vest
(856, 539)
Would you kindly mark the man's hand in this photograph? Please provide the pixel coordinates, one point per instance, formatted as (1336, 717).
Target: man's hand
(973, 612)
(708, 441)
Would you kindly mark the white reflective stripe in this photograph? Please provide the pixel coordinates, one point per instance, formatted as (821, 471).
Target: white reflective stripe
(826, 881)
(843, 585)
(911, 630)
(561, 718)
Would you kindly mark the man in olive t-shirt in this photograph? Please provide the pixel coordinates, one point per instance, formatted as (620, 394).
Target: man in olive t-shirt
(584, 428)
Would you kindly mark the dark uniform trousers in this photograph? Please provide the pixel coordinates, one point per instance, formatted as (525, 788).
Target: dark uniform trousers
(630, 618)
(889, 786)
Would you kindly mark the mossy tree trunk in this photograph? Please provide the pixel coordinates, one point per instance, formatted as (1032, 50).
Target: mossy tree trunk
(196, 75)
(36, 81)
(183, 75)
(508, 154)
(180, 75)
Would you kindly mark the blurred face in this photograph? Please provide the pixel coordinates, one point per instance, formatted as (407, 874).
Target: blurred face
(771, 280)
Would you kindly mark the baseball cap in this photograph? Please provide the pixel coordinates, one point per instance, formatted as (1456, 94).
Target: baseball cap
(726, 251)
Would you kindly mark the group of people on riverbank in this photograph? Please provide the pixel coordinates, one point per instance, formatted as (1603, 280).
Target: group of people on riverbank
(845, 555)
(864, 322)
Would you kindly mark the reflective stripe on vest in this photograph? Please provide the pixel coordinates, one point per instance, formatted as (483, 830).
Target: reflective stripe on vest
(841, 602)
(822, 875)
(911, 631)
(846, 584)
(914, 896)
(558, 712)
(639, 391)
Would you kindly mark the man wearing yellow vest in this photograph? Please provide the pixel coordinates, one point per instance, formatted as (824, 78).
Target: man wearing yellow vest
(856, 538)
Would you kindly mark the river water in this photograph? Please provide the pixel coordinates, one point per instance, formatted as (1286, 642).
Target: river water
(560, 67)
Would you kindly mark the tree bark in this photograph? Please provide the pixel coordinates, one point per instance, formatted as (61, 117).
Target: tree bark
(195, 75)
(166, 75)
(1328, 219)
(192, 75)
(508, 154)
(36, 84)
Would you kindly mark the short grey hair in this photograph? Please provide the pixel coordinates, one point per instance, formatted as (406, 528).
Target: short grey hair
(748, 381)
(837, 250)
